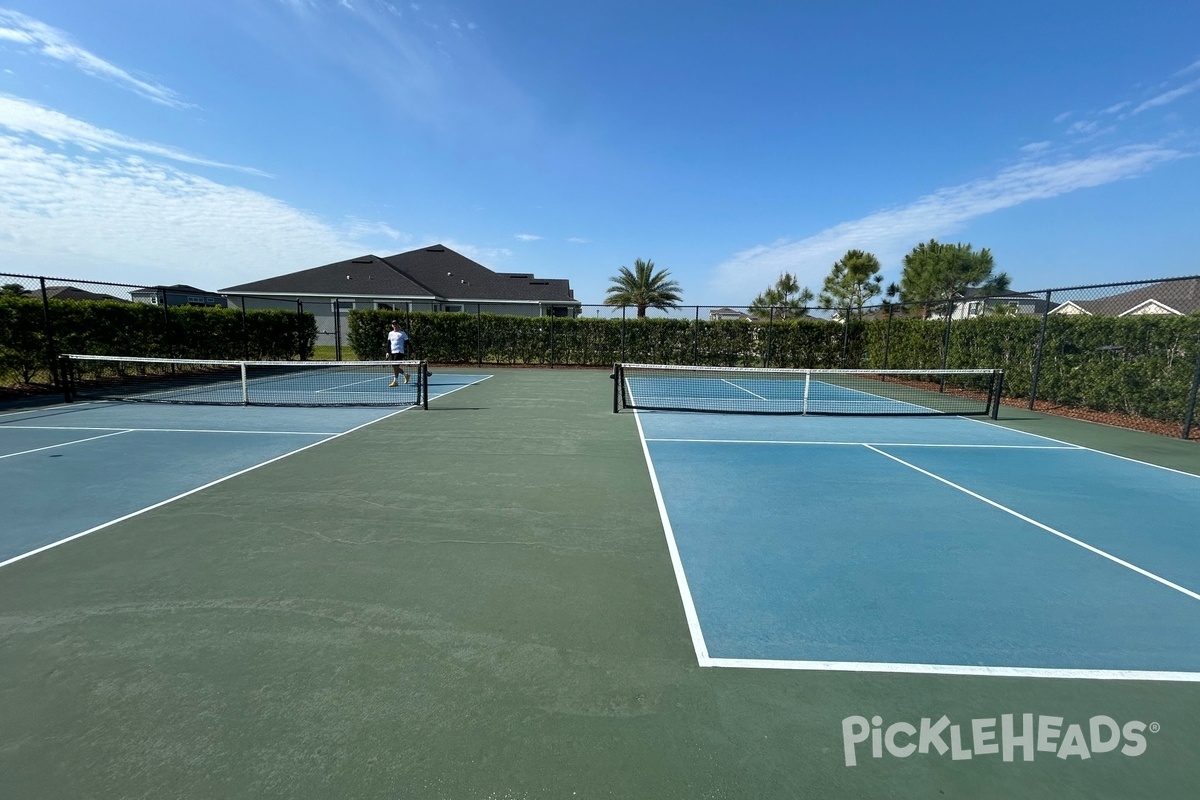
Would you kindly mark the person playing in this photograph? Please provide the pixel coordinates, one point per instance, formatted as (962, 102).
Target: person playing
(397, 344)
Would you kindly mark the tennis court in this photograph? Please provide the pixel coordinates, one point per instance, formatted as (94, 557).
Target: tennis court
(518, 593)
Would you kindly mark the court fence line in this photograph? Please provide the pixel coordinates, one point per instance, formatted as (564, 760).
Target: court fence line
(1126, 353)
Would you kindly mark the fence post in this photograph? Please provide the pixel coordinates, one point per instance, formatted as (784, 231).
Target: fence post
(51, 356)
(887, 336)
(167, 338)
(696, 338)
(623, 334)
(299, 317)
(770, 337)
(479, 333)
(1037, 355)
(245, 332)
(845, 336)
(552, 341)
(337, 329)
(1191, 401)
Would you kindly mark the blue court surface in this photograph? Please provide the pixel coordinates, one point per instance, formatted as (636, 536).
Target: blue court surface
(933, 545)
(74, 469)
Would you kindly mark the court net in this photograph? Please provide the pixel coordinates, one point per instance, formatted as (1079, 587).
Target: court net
(215, 382)
(744, 390)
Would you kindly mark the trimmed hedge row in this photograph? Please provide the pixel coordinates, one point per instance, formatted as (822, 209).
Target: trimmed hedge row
(1137, 365)
(101, 327)
(1141, 365)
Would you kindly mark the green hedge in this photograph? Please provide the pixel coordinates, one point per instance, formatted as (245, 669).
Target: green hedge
(102, 327)
(1142, 366)
(1138, 365)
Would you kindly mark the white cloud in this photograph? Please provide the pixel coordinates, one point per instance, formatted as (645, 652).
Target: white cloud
(892, 232)
(528, 237)
(53, 43)
(578, 240)
(1168, 97)
(126, 219)
(21, 116)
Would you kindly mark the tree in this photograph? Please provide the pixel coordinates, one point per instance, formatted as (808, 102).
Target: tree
(13, 290)
(783, 300)
(644, 288)
(852, 282)
(937, 275)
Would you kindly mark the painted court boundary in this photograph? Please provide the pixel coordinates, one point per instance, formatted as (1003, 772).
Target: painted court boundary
(169, 500)
(701, 648)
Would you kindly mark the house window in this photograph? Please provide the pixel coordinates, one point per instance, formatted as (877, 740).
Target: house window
(453, 308)
(974, 308)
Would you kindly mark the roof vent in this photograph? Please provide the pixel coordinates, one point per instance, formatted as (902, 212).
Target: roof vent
(362, 261)
(437, 248)
(539, 283)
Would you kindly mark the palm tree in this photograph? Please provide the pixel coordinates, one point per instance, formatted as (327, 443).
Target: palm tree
(644, 288)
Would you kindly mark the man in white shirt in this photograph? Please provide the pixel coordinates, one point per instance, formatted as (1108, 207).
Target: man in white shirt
(397, 344)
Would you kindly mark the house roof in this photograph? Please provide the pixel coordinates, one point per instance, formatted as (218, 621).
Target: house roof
(433, 273)
(1179, 296)
(178, 287)
(75, 293)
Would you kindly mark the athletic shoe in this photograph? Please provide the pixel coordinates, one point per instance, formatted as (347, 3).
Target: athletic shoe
(393, 383)
(406, 377)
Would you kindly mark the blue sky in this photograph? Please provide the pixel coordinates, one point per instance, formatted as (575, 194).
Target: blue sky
(214, 143)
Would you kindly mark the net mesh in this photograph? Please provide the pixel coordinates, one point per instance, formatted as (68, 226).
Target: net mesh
(216, 382)
(806, 391)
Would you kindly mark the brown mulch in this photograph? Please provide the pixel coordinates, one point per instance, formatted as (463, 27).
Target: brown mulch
(1118, 420)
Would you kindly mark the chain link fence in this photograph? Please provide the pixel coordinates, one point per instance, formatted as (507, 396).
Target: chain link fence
(1126, 353)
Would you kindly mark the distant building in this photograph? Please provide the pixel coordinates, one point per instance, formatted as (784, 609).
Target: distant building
(433, 278)
(1179, 297)
(75, 293)
(726, 313)
(178, 295)
(975, 303)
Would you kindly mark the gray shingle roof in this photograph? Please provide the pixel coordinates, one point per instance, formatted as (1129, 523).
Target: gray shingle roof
(1181, 295)
(434, 272)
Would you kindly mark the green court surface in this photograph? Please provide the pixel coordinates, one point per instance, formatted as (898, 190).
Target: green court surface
(477, 601)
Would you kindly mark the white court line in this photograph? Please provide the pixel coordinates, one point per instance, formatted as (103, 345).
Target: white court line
(685, 593)
(861, 444)
(1047, 528)
(341, 386)
(744, 389)
(704, 660)
(1084, 447)
(957, 669)
(64, 444)
(141, 511)
(159, 430)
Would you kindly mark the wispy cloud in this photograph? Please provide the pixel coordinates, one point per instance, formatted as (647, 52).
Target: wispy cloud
(528, 237)
(578, 240)
(1047, 169)
(23, 117)
(93, 215)
(22, 31)
(892, 232)
(1168, 96)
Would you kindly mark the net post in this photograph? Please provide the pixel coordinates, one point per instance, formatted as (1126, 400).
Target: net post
(245, 385)
(616, 379)
(807, 380)
(997, 390)
(424, 388)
